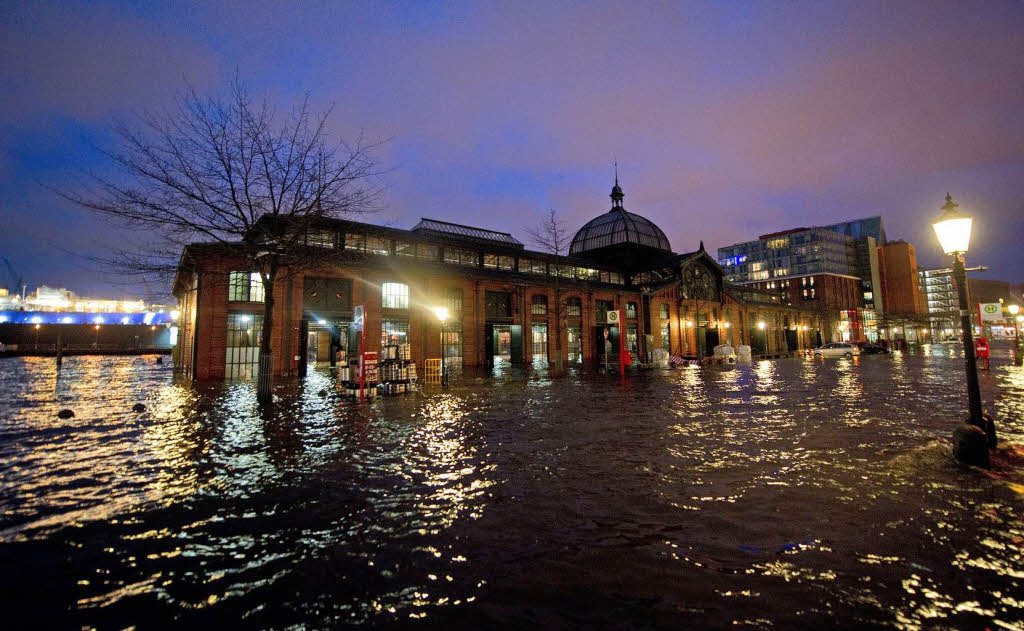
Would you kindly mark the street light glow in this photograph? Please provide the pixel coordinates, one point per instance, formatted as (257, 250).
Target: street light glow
(441, 313)
(1013, 309)
(762, 324)
(953, 228)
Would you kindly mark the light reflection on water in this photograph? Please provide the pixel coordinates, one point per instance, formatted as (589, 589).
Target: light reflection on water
(788, 493)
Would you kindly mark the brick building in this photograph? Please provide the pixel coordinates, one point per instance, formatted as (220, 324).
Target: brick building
(506, 303)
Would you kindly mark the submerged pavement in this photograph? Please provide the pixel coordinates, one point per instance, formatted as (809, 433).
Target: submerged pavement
(786, 494)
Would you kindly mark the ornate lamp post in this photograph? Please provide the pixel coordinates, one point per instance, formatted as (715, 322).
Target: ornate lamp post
(442, 315)
(1018, 359)
(971, 441)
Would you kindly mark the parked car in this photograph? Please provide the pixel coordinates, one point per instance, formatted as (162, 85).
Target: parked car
(867, 348)
(837, 349)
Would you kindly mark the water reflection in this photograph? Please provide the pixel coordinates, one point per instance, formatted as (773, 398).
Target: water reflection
(795, 493)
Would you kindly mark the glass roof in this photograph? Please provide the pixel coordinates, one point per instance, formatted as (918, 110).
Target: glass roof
(459, 230)
(618, 226)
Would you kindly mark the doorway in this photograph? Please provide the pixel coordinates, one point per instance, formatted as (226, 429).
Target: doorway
(504, 343)
(606, 344)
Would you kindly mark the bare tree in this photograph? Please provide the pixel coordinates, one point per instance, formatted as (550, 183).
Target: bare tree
(231, 172)
(552, 236)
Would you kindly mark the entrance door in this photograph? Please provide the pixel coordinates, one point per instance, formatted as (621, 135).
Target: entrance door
(500, 344)
(710, 341)
(606, 345)
(791, 341)
(516, 343)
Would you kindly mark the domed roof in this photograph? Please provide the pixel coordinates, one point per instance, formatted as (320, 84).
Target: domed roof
(618, 226)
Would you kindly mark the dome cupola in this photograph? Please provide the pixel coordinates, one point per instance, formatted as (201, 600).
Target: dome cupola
(618, 229)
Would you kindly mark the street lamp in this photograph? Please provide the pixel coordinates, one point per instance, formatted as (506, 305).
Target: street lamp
(38, 326)
(953, 230)
(442, 315)
(1018, 359)
(96, 341)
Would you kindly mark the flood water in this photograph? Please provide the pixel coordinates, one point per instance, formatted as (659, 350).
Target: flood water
(787, 494)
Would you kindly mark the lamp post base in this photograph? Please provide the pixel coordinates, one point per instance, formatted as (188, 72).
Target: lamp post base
(970, 445)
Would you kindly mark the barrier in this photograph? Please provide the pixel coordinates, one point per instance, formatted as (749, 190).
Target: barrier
(432, 371)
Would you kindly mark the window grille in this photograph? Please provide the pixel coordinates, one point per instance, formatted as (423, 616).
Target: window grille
(631, 310)
(666, 337)
(575, 338)
(243, 345)
(664, 311)
(320, 238)
(453, 301)
(395, 296)
(603, 307)
(451, 342)
(459, 256)
(245, 287)
(355, 242)
(540, 340)
(573, 306)
(539, 305)
(393, 332)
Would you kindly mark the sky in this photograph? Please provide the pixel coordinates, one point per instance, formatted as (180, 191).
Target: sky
(727, 119)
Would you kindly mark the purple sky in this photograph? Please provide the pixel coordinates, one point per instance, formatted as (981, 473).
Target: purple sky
(728, 120)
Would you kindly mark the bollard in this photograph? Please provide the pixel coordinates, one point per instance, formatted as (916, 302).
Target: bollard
(970, 445)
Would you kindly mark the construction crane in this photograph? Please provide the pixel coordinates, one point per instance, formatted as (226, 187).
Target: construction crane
(13, 280)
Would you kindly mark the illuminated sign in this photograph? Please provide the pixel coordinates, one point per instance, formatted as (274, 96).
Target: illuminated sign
(735, 260)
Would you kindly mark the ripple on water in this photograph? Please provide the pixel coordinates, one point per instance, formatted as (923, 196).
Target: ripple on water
(789, 493)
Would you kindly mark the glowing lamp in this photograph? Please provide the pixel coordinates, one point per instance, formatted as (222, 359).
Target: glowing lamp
(953, 228)
(441, 313)
(762, 324)
(1013, 309)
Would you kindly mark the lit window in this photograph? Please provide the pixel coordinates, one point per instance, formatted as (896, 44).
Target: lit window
(573, 306)
(539, 305)
(320, 238)
(355, 242)
(245, 287)
(664, 311)
(630, 309)
(395, 296)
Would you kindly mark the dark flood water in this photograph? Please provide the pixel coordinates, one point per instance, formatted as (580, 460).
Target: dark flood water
(788, 494)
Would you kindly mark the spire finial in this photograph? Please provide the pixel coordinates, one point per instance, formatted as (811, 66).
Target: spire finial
(617, 193)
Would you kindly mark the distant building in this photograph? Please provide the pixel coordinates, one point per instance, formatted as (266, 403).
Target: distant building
(833, 269)
(900, 285)
(938, 292)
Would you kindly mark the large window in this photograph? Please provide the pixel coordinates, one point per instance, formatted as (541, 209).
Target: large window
(540, 340)
(573, 306)
(530, 266)
(631, 310)
(453, 300)
(458, 256)
(539, 305)
(575, 344)
(603, 307)
(245, 287)
(451, 342)
(394, 332)
(631, 339)
(666, 337)
(497, 304)
(243, 345)
(355, 241)
(378, 245)
(664, 311)
(395, 296)
(499, 261)
(419, 250)
(320, 238)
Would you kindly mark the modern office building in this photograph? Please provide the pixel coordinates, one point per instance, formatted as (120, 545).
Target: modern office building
(832, 269)
(505, 303)
(938, 292)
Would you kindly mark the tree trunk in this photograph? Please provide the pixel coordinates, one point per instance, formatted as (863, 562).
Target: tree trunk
(266, 363)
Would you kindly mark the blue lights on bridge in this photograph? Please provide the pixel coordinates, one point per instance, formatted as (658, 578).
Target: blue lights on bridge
(64, 317)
